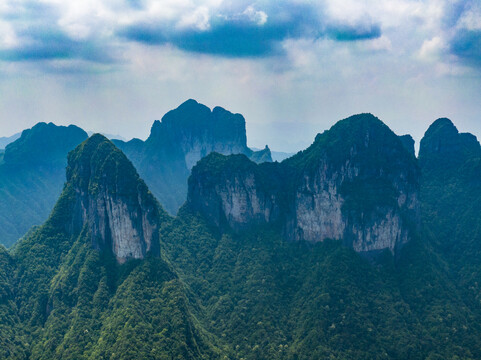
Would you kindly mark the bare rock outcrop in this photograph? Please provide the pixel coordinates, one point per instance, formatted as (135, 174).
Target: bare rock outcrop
(120, 213)
(357, 183)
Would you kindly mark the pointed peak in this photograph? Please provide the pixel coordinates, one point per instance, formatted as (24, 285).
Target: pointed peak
(189, 102)
(97, 159)
(112, 200)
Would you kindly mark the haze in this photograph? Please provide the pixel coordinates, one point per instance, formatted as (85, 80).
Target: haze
(292, 68)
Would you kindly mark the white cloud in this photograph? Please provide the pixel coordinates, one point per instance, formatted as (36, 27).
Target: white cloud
(471, 19)
(379, 44)
(8, 38)
(199, 19)
(432, 49)
(259, 17)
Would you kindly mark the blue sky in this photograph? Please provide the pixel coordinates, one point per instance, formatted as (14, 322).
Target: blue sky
(291, 67)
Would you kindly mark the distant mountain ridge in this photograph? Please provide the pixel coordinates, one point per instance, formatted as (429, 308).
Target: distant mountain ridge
(32, 176)
(5, 140)
(31, 167)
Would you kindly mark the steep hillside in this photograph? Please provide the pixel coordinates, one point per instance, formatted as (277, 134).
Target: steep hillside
(451, 194)
(250, 268)
(82, 290)
(32, 174)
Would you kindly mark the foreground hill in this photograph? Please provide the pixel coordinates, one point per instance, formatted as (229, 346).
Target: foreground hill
(90, 282)
(320, 256)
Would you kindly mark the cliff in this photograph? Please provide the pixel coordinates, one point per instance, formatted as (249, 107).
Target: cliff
(357, 183)
(177, 142)
(120, 213)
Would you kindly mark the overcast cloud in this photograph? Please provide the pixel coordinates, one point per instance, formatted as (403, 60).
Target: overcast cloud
(291, 67)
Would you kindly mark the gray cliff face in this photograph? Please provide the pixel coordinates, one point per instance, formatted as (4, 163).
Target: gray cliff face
(183, 137)
(198, 131)
(321, 211)
(112, 201)
(233, 197)
(317, 210)
(363, 193)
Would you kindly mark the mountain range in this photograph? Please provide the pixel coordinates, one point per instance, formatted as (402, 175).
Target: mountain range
(351, 249)
(32, 167)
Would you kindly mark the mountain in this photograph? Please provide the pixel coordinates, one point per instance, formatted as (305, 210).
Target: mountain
(108, 136)
(81, 288)
(32, 174)
(179, 141)
(451, 190)
(240, 273)
(5, 140)
(267, 292)
(356, 183)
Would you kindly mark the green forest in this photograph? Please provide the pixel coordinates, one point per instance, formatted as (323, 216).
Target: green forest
(217, 293)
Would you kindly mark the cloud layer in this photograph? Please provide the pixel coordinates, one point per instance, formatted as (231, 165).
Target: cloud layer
(108, 64)
(42, 30)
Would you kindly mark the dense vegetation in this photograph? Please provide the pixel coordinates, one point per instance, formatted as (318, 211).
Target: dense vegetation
(32, 173)
(253, 295)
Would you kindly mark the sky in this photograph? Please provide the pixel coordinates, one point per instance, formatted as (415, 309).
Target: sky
(291, 67)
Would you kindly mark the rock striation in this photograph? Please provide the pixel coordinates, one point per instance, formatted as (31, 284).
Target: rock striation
(357, 183)
(111, 201)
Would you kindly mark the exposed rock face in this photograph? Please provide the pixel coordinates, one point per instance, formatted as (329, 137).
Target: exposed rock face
(183, 137)
(356, 183)
(229, 191)
(199, 131)
(115, 204)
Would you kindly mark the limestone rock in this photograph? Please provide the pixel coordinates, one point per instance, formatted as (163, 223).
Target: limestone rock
(120, 213)
(357, 183)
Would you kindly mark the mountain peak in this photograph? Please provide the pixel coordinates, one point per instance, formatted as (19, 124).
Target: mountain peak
(44, 144)
(111, 200)
(443, 142)
(356, 183)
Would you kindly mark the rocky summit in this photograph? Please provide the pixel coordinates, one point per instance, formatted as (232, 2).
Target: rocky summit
(356, 183)
(177, 142)
(264, 261)
(121, 215)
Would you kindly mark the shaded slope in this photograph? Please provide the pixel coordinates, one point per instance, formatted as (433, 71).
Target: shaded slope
(32, 175)
(451, 200)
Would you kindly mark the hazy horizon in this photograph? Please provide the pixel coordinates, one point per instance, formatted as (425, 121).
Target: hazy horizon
(292, 68)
